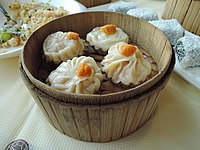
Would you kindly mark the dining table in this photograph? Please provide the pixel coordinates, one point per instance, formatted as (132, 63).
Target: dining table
(175, 125)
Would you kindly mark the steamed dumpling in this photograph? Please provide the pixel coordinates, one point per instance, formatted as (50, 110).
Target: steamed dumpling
(81, 75)
(106, 36)
(61, 46)
(126, 64)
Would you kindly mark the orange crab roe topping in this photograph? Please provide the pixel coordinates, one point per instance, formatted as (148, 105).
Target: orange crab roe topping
(84, 70)
(72, 36)
(128, 50)
(109, 29)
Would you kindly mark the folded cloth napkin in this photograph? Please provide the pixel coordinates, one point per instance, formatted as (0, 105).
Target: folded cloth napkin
(187, 49)
(171, 28)
(121, 6)
(144, 13)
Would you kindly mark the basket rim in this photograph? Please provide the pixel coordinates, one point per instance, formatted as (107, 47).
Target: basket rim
(97, 97)
(158, 86)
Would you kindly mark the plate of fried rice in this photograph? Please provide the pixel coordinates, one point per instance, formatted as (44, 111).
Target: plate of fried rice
(28, 15)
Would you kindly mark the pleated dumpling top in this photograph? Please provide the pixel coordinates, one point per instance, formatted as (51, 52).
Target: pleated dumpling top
(61, 46)
(106, 36)
(125, 63)
(81, 75)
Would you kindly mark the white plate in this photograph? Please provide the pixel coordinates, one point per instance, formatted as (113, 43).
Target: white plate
(71, 5)
(191, 75)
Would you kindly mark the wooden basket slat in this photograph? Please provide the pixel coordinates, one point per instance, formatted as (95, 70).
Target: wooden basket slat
(196, 23)
(180, 9)
(155, 104)
(146, 31)
(160, 42)
(187, 12)
(70, 123)
(168, 11)
(198, 30)
(165, 56)
(82, 123)
(140, 110)
(60, 119)
(92, 3)
(106, 124)
(191, 15)
(119, 123)
(132, 108)
(48, 106)
(149, 107)
(94, 121)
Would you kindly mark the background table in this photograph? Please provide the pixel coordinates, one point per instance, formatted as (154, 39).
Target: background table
(175, 124)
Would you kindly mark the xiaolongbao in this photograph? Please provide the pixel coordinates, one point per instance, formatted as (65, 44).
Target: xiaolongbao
(106, 36)
(81, 75)
(125, 63)
(61, 46)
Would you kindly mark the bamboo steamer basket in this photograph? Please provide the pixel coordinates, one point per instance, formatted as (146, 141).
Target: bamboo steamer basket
(92, 3)
(187, 12)
(99, 123)
(139, 31)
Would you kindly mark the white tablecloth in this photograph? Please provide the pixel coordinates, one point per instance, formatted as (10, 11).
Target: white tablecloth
(175, 125)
